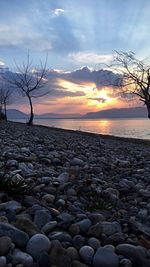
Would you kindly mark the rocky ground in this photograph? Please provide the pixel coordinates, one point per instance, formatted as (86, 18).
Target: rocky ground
(84, 199)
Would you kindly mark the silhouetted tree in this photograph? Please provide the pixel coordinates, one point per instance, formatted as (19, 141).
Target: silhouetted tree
(5, 99)
(30, 81)
(134, 76)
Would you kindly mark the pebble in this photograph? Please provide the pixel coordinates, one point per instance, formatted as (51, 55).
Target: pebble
(38, 243)
(41, 218)
(86, 253)
(3, 261)
(5, 245)
(19, 237)
(88, 204)
(94, 243)
(105, 258)
(131, 252)
(19, 257)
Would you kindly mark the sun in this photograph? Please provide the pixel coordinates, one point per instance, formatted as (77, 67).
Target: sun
(103, 95)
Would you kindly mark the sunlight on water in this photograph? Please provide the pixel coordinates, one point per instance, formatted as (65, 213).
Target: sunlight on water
(134, 128)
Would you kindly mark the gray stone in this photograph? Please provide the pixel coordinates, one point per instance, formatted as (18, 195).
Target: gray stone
(13, 205)
(131, 252)
(21, 257)
(77, 161)
(63, 178)
(125, 263)
(73, 253)
(41, 218)
(110, 228)
(5, 245)
(12, 163)
(26, 225)
(105, 258)
(78, 241)
(84, 225)
(61, 236)
(145, 193)
(59, 256)
(77, 263)
(48, 198)
(3, 261)
(95, 230)
(19, 237)
(48, 227)
(37, 244)
(94, 243)
(74, 229)
(96, 218)
(86, 253)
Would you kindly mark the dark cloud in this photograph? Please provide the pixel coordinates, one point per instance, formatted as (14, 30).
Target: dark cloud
(84, 75)
(99, 99)
(80, 77)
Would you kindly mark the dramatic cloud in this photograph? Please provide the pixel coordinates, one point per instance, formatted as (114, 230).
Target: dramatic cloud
(86, 75)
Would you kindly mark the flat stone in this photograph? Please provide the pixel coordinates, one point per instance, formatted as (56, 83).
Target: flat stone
(105, 258)
(61, 236)
(110, 228)
(41, 218)
(26, 225)
(48, 227)
(19, 237)
(5, 245)
(19, 257)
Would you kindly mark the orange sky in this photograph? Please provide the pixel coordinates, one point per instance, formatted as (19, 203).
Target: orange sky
(77, 104)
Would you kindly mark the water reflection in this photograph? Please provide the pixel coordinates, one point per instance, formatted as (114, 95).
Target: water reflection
(137, 128)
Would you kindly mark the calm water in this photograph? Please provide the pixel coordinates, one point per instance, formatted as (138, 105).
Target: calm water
(135, 128)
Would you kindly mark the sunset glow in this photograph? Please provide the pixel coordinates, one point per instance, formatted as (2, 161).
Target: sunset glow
(76, 46)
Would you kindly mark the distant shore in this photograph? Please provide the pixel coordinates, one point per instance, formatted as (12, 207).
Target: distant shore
(105, 136)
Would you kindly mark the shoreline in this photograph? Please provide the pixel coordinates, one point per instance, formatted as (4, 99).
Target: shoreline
(104, 136)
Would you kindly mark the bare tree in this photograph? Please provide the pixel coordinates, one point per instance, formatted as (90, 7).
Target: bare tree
(5, 97)
(134, 76)
(30, 81)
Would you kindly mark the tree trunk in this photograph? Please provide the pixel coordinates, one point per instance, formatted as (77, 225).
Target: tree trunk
(148, 108)
(30, 121)
(5, 110)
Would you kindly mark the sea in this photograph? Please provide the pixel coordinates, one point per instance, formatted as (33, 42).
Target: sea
(132, 128)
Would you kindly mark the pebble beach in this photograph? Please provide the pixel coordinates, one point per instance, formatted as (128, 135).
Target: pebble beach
(88, 199)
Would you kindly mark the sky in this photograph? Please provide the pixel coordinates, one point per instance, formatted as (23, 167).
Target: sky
(74, 34)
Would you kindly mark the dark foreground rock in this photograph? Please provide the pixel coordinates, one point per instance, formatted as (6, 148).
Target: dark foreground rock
(86, 203)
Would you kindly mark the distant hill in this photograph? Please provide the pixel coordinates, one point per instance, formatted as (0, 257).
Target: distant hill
(138, 112)
(16, 114)
(58, 116)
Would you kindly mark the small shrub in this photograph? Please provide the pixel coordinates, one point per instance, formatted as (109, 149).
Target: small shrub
(13, 186)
